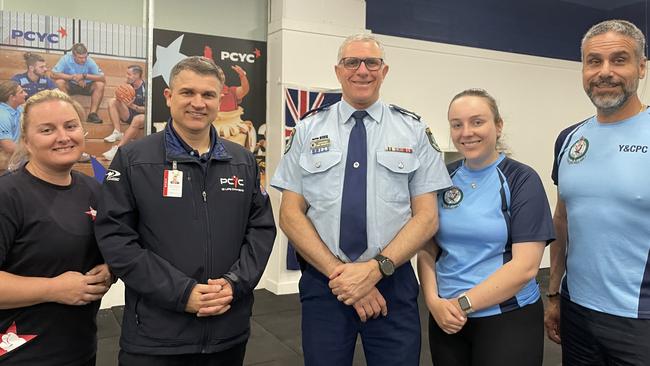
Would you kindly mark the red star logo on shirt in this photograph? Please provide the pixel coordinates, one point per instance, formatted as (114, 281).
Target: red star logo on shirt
(257, 53)
(62, 32)
(10, 339)
(92, 213)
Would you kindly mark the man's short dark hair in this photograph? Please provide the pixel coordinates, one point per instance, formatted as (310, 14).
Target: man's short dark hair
(136, 69)
(79, 49)
(198, 64)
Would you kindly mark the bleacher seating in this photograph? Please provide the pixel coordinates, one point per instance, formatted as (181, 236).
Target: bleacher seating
(13, 63)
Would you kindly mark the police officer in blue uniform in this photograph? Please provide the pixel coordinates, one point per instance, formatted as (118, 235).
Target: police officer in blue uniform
(359, 181)
(601, 314)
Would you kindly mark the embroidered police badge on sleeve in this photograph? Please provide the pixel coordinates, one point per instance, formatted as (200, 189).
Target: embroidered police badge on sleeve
(452, 197)
(287, 147)
(432, 141)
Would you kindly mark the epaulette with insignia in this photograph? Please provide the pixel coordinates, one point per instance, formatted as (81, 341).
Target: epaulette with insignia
(405, 111)
(315, 110)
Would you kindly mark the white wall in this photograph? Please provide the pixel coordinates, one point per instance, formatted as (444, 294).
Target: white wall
(237, 19)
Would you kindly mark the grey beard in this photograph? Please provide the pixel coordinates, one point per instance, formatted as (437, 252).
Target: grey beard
(609, 104)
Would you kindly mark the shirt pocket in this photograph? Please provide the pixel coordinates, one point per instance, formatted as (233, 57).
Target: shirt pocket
(393, 172)
(321, 175)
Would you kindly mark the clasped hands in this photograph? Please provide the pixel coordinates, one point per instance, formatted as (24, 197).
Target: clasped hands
(447, 314)
(79, 79)
(75, 288)
(210, 299)
(354, 284)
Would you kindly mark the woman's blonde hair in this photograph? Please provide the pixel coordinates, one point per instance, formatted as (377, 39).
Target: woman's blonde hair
(21, 155)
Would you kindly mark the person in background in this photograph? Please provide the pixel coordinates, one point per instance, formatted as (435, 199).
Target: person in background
(35, 78)
(77, 73)
(12, 96)
(131, 112)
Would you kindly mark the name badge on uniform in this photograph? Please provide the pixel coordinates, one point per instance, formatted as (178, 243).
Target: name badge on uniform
(320, 144)
(173, 182)
(407, 150)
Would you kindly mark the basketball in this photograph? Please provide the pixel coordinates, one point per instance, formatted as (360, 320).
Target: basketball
(125, 93)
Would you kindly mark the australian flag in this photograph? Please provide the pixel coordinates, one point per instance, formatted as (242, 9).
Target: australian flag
(299, 102)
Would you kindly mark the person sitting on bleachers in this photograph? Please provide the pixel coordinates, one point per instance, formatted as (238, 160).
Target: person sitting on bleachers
(35, 78)
(11, 97)
(130, 111)
(77, 73)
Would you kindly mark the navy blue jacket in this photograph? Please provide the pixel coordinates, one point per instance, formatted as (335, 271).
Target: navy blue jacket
(160, 247)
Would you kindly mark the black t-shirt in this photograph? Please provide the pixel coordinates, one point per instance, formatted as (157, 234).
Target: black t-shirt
(46, 230)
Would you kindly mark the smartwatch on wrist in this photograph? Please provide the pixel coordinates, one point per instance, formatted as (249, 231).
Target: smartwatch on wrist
(386, 266)
(465, 304)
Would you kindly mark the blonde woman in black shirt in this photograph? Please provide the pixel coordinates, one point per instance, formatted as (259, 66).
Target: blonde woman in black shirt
(52, 275)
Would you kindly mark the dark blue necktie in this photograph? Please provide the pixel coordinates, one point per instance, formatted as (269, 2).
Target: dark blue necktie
(354, 236)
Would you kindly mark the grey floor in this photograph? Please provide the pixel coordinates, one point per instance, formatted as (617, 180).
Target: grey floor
(275, 338)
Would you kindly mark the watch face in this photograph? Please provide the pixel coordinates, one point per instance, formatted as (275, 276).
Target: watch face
(464, 303)
(387, 267)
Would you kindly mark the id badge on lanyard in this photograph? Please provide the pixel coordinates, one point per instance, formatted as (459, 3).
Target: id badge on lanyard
(173, 182)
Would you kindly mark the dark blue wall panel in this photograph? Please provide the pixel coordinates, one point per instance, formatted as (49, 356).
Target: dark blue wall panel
(548, 28)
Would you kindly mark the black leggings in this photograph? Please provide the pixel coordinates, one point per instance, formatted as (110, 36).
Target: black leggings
(514, 338)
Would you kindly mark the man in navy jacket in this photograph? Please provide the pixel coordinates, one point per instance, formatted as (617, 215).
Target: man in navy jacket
(185, 223)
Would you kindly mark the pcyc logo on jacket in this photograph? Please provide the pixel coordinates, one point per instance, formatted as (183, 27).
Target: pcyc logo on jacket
(233, 183)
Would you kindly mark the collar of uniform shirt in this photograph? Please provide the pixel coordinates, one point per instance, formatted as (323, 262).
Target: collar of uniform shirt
(375, 112)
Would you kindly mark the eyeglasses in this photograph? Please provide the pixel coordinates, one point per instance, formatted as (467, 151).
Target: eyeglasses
(353, 63)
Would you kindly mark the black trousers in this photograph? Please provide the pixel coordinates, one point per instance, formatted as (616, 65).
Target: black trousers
(598, 339)
(515, 338)
(231, 357)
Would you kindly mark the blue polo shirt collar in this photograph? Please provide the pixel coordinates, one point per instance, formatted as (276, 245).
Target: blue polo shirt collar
(177, 148)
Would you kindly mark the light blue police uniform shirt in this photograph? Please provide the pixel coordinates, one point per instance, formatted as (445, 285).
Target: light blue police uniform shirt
(393, 176)
(602, 171)
(67, 65)
(9, 122)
